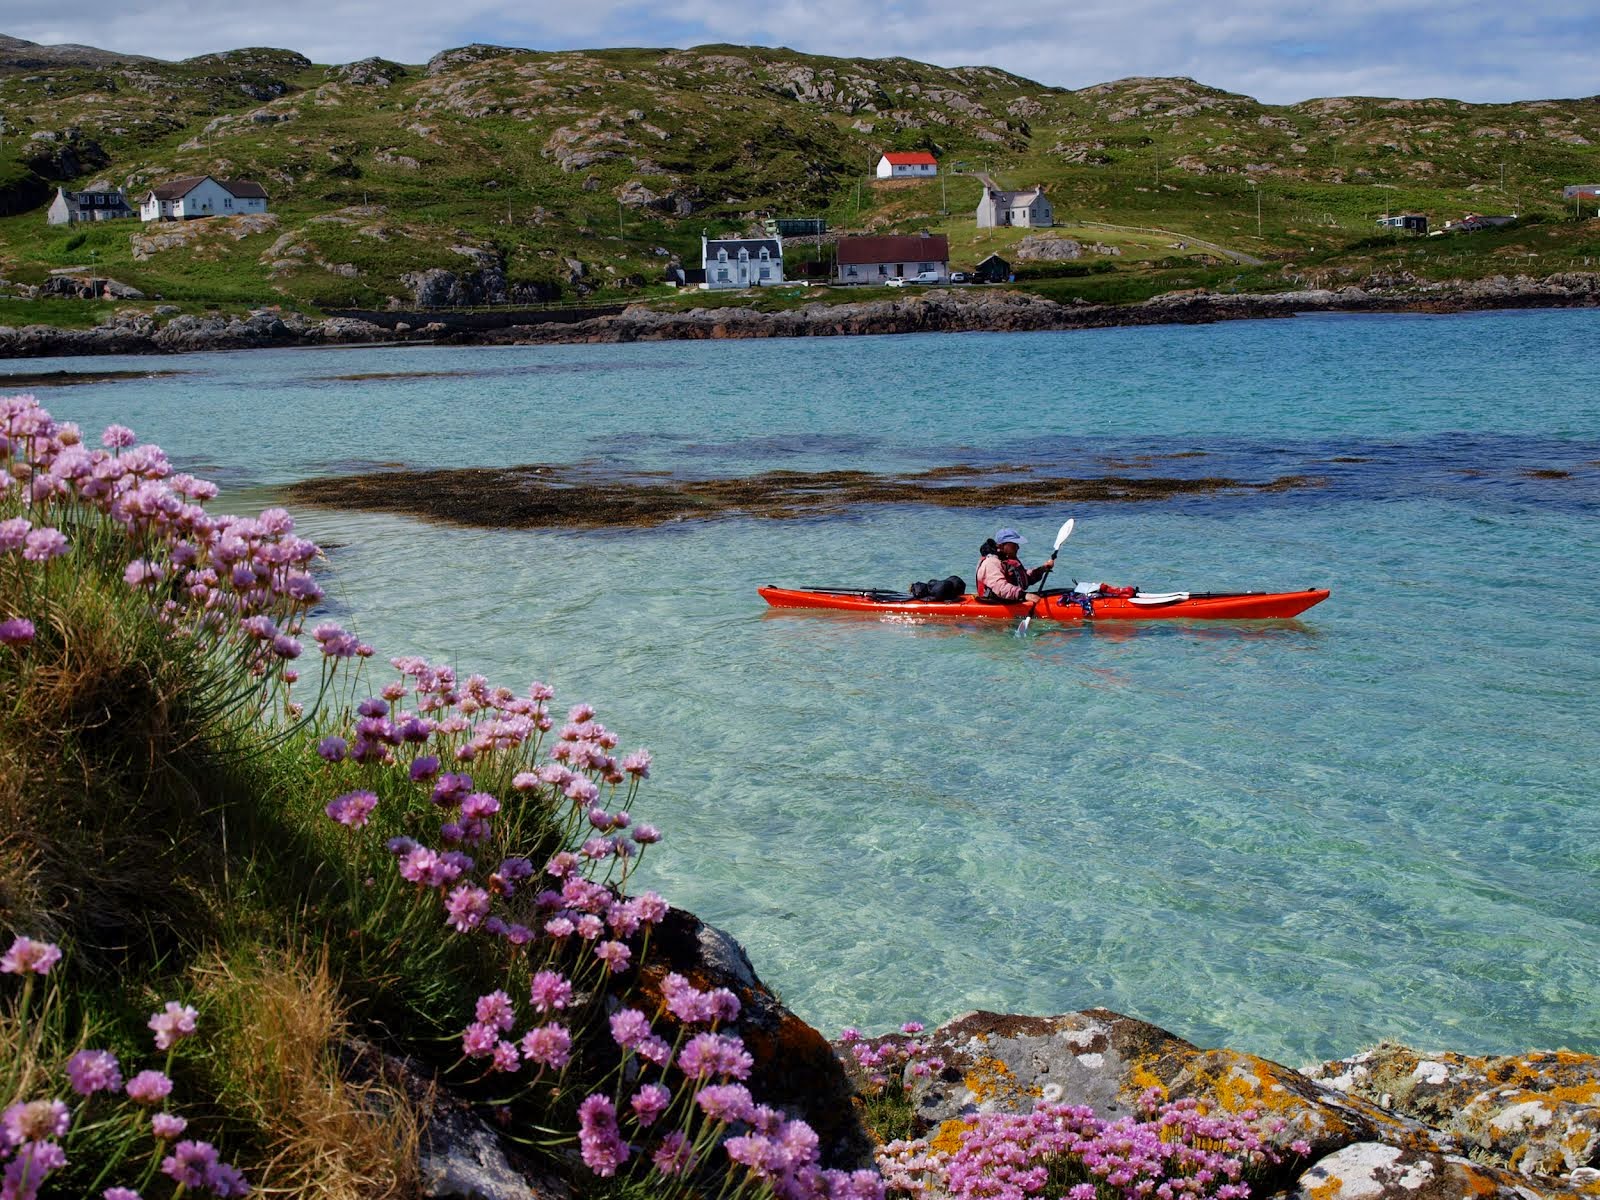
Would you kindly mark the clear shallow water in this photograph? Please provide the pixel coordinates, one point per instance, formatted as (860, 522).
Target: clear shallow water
(1294, 839)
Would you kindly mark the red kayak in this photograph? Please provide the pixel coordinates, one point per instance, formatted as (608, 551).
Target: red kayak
(1059, 606)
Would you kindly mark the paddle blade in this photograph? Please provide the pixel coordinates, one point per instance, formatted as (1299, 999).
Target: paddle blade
(1066, 532)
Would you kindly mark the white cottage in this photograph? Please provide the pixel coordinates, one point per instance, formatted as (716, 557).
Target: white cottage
(908, 164)
(70, 207)
(1027, 210)
(742, 262)
(202, 196)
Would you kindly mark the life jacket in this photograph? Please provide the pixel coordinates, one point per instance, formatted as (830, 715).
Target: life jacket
(1015, 573)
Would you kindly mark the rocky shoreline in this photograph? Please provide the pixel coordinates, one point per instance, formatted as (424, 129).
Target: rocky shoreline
(1389, 1123)
(934, 311)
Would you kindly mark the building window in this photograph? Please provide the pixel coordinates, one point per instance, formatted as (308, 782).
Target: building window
(766, 271)
(851, 273)
(722, 257)
(722, 274)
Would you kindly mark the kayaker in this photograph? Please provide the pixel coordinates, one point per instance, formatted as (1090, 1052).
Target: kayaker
(1001, 576)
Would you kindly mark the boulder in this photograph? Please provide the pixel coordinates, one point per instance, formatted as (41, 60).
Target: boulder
(1538, 1112)
(1374, 1171)
(795, 1067)
(1098, 1058)
(1045, 247)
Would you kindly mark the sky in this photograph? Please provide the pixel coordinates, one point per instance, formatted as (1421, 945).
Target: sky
(1278, 52)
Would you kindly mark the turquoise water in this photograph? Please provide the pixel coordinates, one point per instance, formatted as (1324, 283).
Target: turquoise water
(1291, 838)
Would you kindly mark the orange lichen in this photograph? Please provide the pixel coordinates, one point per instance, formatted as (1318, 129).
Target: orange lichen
(1141, 1078)
(1328, 1190)
(949, 1135)
(989, 1077)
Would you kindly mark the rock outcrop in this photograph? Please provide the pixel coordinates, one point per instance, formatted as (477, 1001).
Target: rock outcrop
(1448, 1125)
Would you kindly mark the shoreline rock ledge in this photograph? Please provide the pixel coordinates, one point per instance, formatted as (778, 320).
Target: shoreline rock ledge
(1390, 1123)
(941, 310)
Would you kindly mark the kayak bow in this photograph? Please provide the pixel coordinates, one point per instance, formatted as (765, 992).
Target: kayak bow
(1055, 606)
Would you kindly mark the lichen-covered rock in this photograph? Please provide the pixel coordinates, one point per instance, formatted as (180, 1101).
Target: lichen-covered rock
(1374, 1171)
(997, 1063)
(1538, 1112)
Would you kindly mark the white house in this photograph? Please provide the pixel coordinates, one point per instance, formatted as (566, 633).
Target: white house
(894, 256)
(202, 196)
(1028, 210)
(907, 164)
(69, 207)
(742, 262)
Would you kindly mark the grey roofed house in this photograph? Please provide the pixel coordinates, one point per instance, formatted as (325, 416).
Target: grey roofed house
(99, 205)
(1027, 209)
(742, 262)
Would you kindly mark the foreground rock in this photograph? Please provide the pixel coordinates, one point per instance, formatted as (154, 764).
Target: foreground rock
(1528, 1122)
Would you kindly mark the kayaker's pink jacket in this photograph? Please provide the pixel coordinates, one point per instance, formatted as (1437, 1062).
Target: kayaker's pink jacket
(992, 579)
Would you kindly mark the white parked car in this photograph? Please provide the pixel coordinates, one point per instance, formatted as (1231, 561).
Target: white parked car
(897, 281)
(927, 277)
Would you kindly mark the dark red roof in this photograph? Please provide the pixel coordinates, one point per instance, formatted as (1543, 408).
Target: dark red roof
(895, 248)
(911, 158)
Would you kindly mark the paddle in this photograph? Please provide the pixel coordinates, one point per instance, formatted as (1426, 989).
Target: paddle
(1064, 533)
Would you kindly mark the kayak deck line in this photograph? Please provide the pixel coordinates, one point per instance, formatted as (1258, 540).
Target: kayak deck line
(1055, 605)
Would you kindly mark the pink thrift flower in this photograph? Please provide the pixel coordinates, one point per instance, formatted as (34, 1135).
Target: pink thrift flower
(505, 1057)
(674, 1156)
(16, 631)
(466, 908)
(478, 1040)
(27, 1171)
(167, 1126)
(727, 1102)
(629, 1027)
(27, 956)
(352, 809)
(119, 1193)
(117, 437)
(226, 1181)
(44, 544)
(599, 1143)
(550, 991)
(35, 1121)
(173, 1025)
(91, 1071)
(495, 1009)
(149, 1087)
(709, 1054)
(188, 1162)
(649, 1102)
(548, 1045)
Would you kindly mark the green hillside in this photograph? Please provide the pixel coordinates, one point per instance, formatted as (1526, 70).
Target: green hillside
(582, 173)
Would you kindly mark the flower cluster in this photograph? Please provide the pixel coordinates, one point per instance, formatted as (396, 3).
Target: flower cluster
(239, 582)
(36, 1135)
(1171, 1151)
(903, 1058)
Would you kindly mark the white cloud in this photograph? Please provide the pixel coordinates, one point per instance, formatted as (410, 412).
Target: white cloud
(1278, 53)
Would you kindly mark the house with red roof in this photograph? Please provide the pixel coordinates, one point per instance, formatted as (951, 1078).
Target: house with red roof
(919, 257)
(908, 164)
